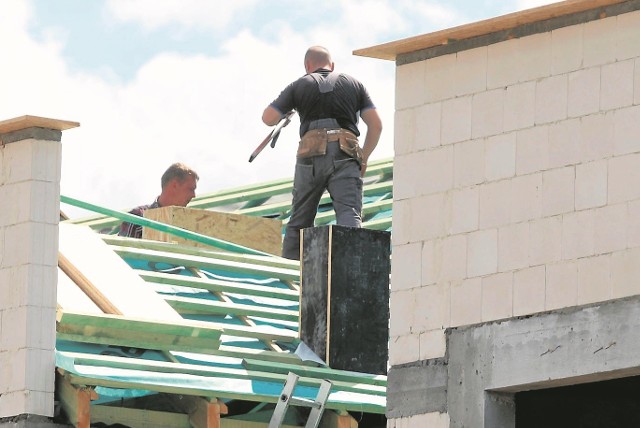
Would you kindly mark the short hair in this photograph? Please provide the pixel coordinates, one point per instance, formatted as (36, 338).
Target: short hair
(179, 171)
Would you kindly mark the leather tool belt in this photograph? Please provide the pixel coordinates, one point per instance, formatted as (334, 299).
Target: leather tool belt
(314, 143)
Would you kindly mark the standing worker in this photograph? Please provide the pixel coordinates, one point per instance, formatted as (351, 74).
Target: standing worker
(329, 155)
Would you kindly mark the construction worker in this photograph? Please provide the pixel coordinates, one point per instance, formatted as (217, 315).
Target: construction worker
(329, 156)
(178, 185)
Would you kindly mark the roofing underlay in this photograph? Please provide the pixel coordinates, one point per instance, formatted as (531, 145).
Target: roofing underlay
(159, 331)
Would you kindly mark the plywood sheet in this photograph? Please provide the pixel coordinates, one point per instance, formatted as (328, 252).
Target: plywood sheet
(29, 121)
(258, 233)
(111, 275)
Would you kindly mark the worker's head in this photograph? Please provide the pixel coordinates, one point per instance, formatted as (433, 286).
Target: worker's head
(317, 57)
(179, 184)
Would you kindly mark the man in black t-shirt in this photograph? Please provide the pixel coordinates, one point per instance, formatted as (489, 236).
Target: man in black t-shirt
(329, 156)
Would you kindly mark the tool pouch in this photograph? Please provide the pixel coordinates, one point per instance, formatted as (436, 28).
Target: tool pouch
(349, 145)
(313, 143)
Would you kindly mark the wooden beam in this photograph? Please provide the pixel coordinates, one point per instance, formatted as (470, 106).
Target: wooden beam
(391, 50)
(316, 372)
(243, 318)
(86, 286)
(203, 412)
(75, 400)
(215, 285)
(207, 263)
(188, 336)
(139, 418)
(332, 419)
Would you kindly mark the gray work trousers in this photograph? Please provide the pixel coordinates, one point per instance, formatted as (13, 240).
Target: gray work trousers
(335, 172)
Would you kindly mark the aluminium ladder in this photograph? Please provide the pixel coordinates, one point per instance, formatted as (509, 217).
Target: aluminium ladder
(286, 399)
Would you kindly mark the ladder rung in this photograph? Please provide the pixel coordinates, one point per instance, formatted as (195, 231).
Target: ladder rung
(287, 398)
(304, 402)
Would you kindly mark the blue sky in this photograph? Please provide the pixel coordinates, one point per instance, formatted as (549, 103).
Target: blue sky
(157, 81)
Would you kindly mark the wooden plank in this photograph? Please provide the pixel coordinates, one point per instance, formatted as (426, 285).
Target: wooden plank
(87, 287)
(216, 285)
(183, 328)
(111, 276)
(366, 401)
(244, 319)
(316, 372)
(188, 305)
(28, 121)
(75, 400)
(138, 418)
(260, 419)
(258, 233)
(71, 297)
(353, 385)
(206, 263)
(120, 331)
(172, 248)
(114, 327)
(334, 420)
(203, 412)
(391, 50)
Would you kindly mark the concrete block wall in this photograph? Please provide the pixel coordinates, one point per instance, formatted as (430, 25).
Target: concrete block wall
(516, 181)
(30, 161)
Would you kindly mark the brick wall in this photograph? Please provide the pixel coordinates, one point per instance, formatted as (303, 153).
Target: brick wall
(516, 181)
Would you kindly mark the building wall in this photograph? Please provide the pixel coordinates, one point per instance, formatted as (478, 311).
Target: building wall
(516, 184)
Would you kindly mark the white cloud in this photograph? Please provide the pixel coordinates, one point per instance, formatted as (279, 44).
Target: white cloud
(152, 14)
(201, 110)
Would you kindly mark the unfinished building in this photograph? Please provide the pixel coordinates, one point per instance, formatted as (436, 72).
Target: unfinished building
(102, 330)
(516, 238)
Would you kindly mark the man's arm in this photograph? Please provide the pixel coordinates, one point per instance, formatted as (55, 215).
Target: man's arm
(374, 128)
(271, 116)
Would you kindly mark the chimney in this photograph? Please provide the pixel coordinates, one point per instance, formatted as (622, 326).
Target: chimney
(30, 163)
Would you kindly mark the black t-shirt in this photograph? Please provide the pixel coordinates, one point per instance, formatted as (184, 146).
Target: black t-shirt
(344, 103)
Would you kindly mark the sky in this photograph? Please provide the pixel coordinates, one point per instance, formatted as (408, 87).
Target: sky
(153, 82)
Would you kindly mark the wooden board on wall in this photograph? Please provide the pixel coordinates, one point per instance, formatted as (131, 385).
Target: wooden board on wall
(258, 233)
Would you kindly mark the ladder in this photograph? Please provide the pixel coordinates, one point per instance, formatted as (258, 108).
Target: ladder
(286, 399)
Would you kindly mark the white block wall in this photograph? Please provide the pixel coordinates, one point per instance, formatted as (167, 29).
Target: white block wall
(516, 181)
(30, 195)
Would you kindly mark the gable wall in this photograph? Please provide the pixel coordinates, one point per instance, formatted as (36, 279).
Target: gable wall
(516, 183)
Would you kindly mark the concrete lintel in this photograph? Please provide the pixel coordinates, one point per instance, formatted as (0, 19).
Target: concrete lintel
(567, 347)
(487, 364)
(417, 388)
(35, 133)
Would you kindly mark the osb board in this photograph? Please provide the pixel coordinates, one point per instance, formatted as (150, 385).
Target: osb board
(258, 233)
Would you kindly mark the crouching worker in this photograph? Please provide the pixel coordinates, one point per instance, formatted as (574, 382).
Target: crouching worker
(178, 185)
